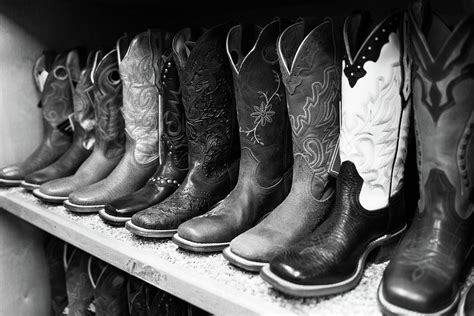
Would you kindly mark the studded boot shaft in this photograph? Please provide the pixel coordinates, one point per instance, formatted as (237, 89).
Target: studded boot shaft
(109, 134)
(56, 101)
(265, 139)
(428, 268)
(211, 128)
(173, 168)
(139, 65)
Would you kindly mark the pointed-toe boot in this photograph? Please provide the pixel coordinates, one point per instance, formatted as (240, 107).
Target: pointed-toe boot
(265, 141)
(57, 105)
(427, 271)
(83, 141)
(140, 74)
(109, 145)
(369, 210)
(174, 166)
(211, 129)
(311, 73)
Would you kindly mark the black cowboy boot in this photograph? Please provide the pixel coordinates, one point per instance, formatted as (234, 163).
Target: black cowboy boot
(56, 101)
(174, 166)
(265, 140)
(426, 273)
(369, 210)
(83, 122)
(141, 79)
(211, 128)
(109, 137)
(311, 73)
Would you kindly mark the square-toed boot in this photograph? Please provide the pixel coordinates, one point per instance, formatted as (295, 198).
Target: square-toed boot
(56, 101)
(369, 210)
(265, 141)
(174, 166)
(141, 76)
(211, 128)
(426, 273)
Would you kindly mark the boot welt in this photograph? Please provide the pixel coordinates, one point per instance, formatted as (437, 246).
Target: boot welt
(391, 309)
(29, 186)
(9, 183)
(351, 282)
(113, 220)
(82, 208)
(238, 261)
(49, 198)
(198, 247)
(151, 233)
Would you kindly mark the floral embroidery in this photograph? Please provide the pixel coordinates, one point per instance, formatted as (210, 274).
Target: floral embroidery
(263, 113)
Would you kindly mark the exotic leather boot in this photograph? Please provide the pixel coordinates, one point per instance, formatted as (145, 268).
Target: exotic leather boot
(83, 123)
(141, 77)
(174, 167)
(56, 101)
(211, 128)
(265, 142)
(426, 273)
(109, 145)
(369, 210)
(310, 65)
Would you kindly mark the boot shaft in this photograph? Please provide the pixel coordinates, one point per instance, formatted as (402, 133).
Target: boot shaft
(310, 66)
(260, 99)
(208, 98)
(443, 94)
(110, 126)
(140, 70)
(374, 108)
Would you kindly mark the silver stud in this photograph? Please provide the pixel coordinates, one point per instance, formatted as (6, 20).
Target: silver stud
(169, 181)
(164, 76)
(370, 47)
(376, 38)
(383, 30)
(166, 70)
(358, 66)
(175, 182)
(363, 57)
(169, 64)
(352, 73)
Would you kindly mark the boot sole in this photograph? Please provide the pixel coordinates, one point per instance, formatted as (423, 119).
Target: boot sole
(248, 265)
(388, 308)
(198, 247)
(10, 183)
(49, 198)
(150, 233)
(29, 186)
(300, 290)
(82, 208)
(113, 220)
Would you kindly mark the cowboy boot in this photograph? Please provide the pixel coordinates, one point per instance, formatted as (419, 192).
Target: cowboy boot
(109, 145)
(265, 139)
(310, 67)
(208, 98)
(56, 101)
(83, 122)
(140, 73)
(369, 210)
(426, 273)
(174, 167)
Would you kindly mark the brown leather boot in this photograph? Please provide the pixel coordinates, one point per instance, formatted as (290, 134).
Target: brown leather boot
(141, 79)
(208, 98)
(265, 139)
(109, 145)
(174, 166)
(56, 101)
(82, 122)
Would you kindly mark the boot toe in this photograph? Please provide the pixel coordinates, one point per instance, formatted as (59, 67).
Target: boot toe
(205, 230)
(90, 195)
(38, 177)
(255, 247)
(12, 173)
(146, 219)
(57, 188)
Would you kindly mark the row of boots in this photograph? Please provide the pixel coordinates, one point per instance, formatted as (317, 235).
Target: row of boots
(255, 142)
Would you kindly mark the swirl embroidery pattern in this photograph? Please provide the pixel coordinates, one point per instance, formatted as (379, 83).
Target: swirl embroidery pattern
(263, 113)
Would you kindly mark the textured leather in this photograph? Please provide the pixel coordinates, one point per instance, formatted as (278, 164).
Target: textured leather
(109, 137)
(140, 74)
(173, 169)
(211, 128)
(427, 270)
(265, 138)
(331, 253)
(310, 63)
(56, 100)
(83, 123)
